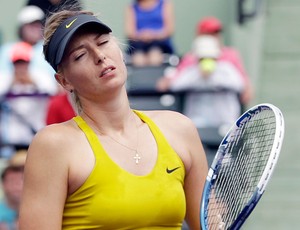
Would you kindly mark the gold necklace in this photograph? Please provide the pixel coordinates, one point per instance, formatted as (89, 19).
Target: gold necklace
(136, 156)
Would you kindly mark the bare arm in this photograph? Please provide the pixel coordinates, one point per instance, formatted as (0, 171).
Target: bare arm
(169, 19)
(195, 179)
(130, 22)
(45, 184)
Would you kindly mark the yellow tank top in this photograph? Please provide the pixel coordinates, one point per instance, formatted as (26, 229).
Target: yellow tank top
(112, 198)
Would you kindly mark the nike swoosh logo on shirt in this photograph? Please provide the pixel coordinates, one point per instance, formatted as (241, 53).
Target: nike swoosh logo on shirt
(70, 24)
(172, 170)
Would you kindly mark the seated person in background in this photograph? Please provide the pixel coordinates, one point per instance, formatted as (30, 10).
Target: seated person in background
(149, 26)
(213, 27)
(30, 31)
(220, 105)
(12, 185)
(23, 79)
(24, 96)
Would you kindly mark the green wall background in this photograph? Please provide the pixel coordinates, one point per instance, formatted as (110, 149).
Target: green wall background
(187, 13)
(246, 38)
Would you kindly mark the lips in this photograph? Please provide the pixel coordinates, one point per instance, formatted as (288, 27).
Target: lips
(107, 70)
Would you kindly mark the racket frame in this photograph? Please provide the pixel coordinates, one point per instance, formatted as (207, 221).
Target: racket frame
(266, 175)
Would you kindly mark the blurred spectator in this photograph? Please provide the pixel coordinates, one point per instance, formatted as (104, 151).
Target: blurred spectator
(211, 84)
(50, 5)
(213, 27)
(149, 27)
(22, 116)
(22, 79)
(12, 186)
(29, 31)
(60, 109)
(30, 28)
(24, 98)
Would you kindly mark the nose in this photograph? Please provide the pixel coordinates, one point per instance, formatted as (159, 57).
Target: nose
(99, 56)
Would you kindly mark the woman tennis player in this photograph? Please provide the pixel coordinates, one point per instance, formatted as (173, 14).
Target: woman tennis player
(110, 167)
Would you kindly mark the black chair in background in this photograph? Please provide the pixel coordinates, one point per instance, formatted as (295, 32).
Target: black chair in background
(143, 79)
(156, 101)
(142, 93)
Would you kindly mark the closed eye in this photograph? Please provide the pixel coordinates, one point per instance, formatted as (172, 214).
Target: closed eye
(78, 57)
(102, 39)
(102, 42)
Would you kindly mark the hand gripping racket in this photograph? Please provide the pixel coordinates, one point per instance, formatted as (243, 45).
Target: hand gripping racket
(242, 168)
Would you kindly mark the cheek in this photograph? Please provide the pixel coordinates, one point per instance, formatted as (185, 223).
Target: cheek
(76, 69)
(120, 58)
(120, 63)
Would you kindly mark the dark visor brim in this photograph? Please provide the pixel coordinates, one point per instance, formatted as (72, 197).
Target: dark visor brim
(65, 32)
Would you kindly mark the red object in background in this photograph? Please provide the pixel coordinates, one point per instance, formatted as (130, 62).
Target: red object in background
(21, 51)
(209, 25)
(59, 109)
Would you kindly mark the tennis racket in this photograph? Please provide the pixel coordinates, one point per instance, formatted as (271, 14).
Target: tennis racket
(242, 168)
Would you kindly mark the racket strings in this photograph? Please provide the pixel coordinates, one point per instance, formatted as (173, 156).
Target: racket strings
(227, 198)
(242, 182)
(244, 160)
(245, 184)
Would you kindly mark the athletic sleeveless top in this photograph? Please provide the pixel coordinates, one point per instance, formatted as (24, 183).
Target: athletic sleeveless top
(149, 19)
(112, 198)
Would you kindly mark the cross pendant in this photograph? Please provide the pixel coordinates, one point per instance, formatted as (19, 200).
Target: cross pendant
(137, 157)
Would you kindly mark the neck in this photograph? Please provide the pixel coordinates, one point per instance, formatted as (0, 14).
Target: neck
(109, 118)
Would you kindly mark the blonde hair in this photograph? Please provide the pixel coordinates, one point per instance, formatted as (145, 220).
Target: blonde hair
(76, 104)
(51, 24)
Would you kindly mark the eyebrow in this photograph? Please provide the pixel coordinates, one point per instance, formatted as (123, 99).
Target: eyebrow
(97, 36)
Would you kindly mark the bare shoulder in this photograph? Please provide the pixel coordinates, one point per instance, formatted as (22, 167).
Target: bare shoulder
(52, 152)
(53, 139)
(165, 114)
(56, 132)
(171, 120)
(179, 130)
